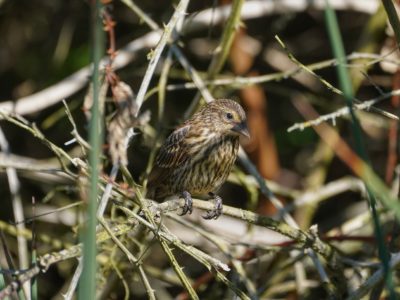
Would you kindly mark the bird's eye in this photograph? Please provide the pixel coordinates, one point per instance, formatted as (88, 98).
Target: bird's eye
(229, 116)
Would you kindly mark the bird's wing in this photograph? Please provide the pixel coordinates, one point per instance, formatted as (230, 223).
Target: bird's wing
(172, 153)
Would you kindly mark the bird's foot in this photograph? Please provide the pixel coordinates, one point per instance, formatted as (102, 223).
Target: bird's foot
(217, 211)
(188, 207)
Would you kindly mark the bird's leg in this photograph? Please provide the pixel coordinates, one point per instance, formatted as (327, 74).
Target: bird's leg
(217, 211)
(188, 207)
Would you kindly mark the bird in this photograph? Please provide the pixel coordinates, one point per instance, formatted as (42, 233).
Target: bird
(198, 155)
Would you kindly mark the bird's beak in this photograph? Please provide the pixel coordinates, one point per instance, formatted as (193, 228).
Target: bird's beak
(242, 129)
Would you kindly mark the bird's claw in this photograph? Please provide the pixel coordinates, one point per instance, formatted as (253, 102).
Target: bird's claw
(217, 211)
(188, 207)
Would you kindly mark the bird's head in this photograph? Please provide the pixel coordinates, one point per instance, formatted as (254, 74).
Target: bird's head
(227, 117)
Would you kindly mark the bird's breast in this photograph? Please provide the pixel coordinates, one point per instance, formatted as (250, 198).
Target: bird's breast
(209, 166)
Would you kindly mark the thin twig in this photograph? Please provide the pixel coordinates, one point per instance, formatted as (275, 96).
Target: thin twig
(156, 54)
(301, 237)
(238, 82)
(81, 141)
(197, 81)
(107, 191)
(15, 186)
(345, 153)
(131, 258)
(334, 263)
(60, 153)
(327, 84)
(327, 191)
(366, 105)
(222, 50)
(374, 279)
(74, 281)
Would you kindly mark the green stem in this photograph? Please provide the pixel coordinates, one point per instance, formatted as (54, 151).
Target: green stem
(393, 18)
(346, 86)
(228, 35)
(87, 286)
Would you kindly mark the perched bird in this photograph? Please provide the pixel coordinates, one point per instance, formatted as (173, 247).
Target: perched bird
(197, 157)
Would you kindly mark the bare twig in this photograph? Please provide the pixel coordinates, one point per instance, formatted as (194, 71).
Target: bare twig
(326, 83)
(156, 54)
(345, 153)
(222, 50)
(239, 82)
(327, 191)
(366, 105)
(374, 279)
(81, 141)
(131, 258)
(74, 281)
(60, 153)
(197, 81)
(14, 185)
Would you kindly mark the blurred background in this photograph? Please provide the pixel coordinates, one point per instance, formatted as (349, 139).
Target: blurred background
(43, 42)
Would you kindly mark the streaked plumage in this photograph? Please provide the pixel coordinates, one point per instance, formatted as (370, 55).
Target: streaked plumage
(197, 157)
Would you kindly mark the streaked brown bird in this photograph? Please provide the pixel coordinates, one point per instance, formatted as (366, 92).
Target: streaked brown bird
(197, 157)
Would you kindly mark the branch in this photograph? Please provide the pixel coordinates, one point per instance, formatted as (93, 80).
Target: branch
(239, 82)
(156, 54)
(326, 83)
(302, 238)
(374, 279)
(366, 105)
